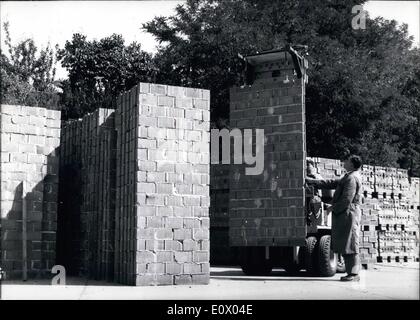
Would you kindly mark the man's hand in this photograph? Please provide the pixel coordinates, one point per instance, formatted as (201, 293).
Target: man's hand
(310, 181)
(329, 209)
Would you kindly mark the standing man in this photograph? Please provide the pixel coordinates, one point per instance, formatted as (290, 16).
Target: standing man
(345, 214)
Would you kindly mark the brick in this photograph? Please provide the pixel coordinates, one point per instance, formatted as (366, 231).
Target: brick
(191, 223)
(175, 223)
(191, 268)
(183, 279)
(145, 280)
(158, 89)
(155, 200)
(146, 187)
(145, 257)
(181, 234)
(155, 268)
(173, 268)
(164, 188)
(154, 222)
(193, 93)
(27, 148)
(154, 245)
(185, 103)
(10, 147)
(205, 268)
(164, 256)
(174, 177)
(166, 101)
(164, 234)
(173, 201)
(164, 279)
(163, 166)
(200, 279)
(141, 268)
(148, 99)
(183, 212)
(173, 245)
(146, 143)
(190, 245)
(165, 212)
(146, 166)
(156, 177)
(201, 256)
(37, 121)
(182, 257)
(201, 234)
(164, 122)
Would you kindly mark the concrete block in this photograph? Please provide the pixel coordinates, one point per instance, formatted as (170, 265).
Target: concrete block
(182, 257)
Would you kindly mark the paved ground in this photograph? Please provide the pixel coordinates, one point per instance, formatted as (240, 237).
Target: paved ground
(382, 281)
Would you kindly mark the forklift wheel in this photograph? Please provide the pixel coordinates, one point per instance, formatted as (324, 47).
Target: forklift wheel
(327, 259)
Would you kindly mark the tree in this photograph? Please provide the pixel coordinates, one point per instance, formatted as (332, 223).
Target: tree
(26, 76)
(99, 71)
(361, 97)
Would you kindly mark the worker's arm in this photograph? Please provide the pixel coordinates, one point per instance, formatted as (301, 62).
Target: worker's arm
(323, 184)
(347, 196)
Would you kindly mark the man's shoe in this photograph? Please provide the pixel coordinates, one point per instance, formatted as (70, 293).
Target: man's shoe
(350, 277)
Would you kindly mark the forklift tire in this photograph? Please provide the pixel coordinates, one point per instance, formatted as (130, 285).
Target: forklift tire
(311, 257)
(341, 266)
(327, 259)
(253, 262)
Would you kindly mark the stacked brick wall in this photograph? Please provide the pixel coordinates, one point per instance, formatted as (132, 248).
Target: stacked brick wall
(162, 215)
(29, 182)
(87, 213)
(267, 209)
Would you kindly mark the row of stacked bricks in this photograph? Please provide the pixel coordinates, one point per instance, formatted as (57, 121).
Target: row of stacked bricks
(29, 185)
(162, 205)
(268, 209)
(88, 145)
(398, 230)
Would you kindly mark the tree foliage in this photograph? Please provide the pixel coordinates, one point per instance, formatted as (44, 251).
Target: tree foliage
(99, 71)
(27, 74)
(363, 91)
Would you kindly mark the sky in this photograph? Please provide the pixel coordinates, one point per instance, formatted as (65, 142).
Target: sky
(56, 21)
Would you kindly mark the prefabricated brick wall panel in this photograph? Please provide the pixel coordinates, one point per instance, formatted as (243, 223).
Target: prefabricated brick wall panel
(162, 220)
(268, 209)
(29, 160)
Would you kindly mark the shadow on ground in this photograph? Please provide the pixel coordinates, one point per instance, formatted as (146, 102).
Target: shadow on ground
(276, 275)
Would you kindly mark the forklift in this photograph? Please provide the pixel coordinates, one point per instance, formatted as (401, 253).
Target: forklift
(311, 249)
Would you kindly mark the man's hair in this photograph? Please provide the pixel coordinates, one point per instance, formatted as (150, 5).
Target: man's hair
(355, 160)
(310, 161)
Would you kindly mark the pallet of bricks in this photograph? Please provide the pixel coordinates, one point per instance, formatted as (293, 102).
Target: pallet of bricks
(333, 169)
(398, 228)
